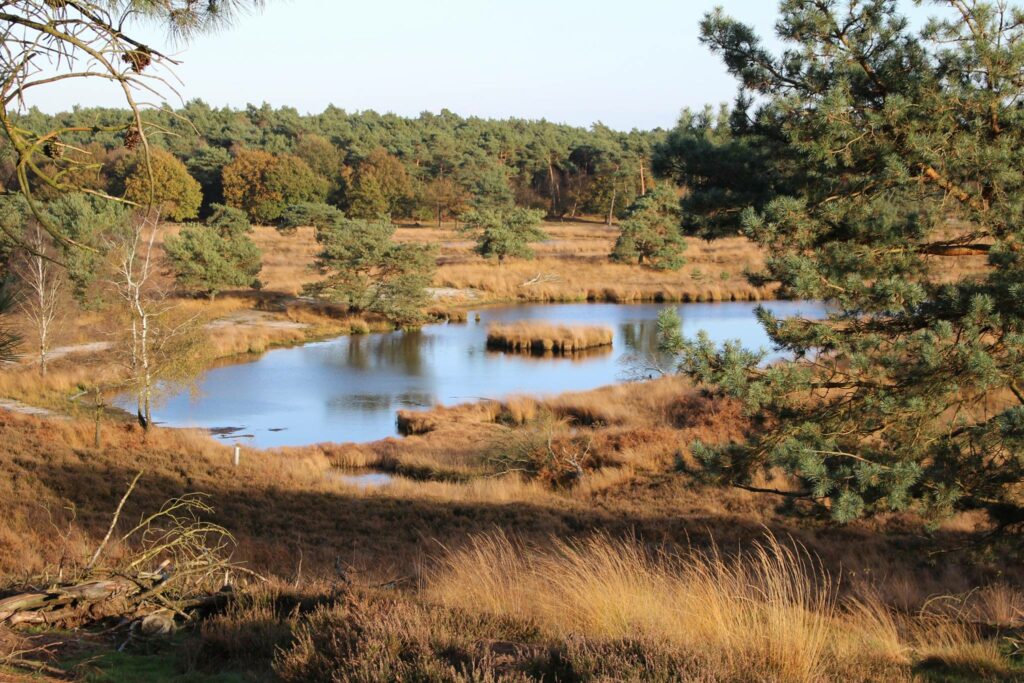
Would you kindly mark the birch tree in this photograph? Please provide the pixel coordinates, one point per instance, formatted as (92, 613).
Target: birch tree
(160, 345)
(42, 284)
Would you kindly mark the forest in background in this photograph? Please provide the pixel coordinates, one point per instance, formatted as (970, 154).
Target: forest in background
(431, 167)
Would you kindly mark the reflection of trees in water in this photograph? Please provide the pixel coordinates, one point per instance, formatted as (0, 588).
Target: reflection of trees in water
(370, 403)
(374, 403)
(640, 336)
(401, 352)
(643, 359)
(547, 356)
(415, 399)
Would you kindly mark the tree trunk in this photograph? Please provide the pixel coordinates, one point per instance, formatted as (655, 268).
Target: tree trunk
(147, 378)
(611, 206)
(552, 187)
(643, 179)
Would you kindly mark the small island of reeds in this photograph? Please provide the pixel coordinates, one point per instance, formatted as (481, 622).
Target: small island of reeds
(543, 337)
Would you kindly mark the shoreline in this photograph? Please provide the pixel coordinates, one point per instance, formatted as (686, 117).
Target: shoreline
(254, 345)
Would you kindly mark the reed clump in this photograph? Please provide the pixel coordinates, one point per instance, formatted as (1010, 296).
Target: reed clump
(544, 337)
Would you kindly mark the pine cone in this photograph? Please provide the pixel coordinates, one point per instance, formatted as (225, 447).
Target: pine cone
(53, 148)
(139, 59)
(132, 138)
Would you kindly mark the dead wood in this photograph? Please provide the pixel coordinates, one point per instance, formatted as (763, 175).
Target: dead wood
(188, 556)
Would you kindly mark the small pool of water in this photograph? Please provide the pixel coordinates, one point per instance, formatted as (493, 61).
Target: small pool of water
(363, 480)
(349, 388)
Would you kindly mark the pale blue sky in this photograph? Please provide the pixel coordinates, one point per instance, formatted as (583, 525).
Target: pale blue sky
(627, 64)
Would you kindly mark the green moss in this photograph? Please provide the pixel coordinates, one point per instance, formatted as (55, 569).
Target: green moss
(161, 667)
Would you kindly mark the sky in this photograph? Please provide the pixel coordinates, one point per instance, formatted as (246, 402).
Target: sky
(633, 64)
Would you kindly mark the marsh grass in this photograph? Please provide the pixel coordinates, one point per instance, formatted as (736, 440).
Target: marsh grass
(544, 337)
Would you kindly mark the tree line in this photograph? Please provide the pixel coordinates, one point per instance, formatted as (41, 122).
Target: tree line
(432, 167)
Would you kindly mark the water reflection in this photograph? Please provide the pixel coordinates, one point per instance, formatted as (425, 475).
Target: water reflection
(377, 402)
(394, 351)
(348, 389)
(364, 480)
(640, 336)
(369, 402)
(548, 356)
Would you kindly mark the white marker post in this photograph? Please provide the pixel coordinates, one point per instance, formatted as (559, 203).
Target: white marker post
(238, 454)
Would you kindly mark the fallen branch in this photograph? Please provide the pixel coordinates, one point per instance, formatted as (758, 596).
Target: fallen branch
(19, 659)
(113, 523)
(189, 556)
(541, 278)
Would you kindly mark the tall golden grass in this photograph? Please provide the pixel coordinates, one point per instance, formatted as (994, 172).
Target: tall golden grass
(573, 266)
(769, 614)
(557, 279)
(546, 337)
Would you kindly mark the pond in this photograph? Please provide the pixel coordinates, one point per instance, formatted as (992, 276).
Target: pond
(349, 388)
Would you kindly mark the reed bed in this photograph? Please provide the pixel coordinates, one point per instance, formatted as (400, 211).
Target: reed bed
(544, 337)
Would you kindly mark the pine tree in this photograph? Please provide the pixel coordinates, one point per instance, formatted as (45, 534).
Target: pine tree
(896, 160)
(651, 233)
(366, 270)
(307, 214)
(367, 199)
(504, 232)
(214, 256)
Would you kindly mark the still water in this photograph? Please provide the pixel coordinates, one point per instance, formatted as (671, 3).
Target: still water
(348, 389)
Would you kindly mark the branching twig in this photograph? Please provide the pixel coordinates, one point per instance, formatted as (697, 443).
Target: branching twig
(113, 523)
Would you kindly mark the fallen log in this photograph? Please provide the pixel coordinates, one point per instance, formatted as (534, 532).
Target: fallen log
(92, 602)
(70, 606)
(190, 552)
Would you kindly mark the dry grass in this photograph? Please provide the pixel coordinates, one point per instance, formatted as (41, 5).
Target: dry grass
(550, 279)
(582, 563)
(764, 614)
(287, 259)
(572, 266)
(770, 613)
(640, 427)
(544, 337)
